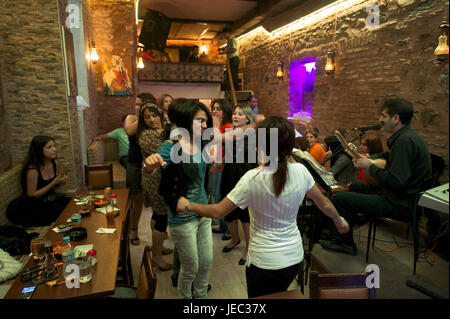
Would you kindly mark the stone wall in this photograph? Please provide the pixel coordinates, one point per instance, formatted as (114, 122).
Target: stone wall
(5, 150)
(113, 28)
(33, 82)
(393, 60)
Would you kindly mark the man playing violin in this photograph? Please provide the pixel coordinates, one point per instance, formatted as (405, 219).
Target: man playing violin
(408, 167)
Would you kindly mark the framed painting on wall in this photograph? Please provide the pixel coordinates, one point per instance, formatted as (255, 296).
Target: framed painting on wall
(116, 77)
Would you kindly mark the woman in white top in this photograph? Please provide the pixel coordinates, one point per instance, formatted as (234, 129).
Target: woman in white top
(275, 250)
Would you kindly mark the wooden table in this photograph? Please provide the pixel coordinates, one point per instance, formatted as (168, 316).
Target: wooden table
(107, 246)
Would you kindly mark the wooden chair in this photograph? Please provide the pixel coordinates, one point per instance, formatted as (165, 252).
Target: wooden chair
(98, 176)
(125, 271)
(147, 282)
(340, 286)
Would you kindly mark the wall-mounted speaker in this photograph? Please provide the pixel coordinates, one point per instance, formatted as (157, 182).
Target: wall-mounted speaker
(155, 30)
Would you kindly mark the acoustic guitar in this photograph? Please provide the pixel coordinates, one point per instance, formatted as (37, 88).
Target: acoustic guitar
(350, 149)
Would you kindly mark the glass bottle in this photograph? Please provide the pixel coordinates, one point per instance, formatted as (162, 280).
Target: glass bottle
(50, 260)
(51, 267)
(67, 255)
(114, 204)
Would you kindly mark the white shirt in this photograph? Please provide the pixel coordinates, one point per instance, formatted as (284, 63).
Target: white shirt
(275, 240)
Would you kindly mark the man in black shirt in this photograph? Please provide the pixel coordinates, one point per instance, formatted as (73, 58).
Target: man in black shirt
(408, 166)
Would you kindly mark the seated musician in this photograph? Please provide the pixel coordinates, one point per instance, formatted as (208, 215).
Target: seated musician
(340, 162)
(370, 145)
(408, 165)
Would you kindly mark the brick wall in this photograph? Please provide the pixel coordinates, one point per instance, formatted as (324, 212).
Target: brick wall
(113, 28)
(33, 82)
(395, 59)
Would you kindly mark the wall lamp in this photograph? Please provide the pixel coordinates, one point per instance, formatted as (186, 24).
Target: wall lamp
(140, 64)
(441, 51)
(330, 66)
(280, 72)
(92, 54)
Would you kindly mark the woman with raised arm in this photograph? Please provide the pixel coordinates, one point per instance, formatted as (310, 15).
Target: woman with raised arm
(191, 232)
(232, 172)
(39, 205)
(276, 251)
(221, 112)
(150, 135)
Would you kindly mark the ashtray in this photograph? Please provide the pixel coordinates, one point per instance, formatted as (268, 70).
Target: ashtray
(77, 234)
(84, 212)
(99, 202)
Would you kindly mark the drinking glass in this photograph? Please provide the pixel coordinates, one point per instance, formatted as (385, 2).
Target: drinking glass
(85, 271)
(37, 247)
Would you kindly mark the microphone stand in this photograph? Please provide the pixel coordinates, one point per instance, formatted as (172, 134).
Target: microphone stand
(340, 149)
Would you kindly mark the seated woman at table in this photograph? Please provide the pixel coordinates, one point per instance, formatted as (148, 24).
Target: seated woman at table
(39, 205)
(150, 135)
(276, 251)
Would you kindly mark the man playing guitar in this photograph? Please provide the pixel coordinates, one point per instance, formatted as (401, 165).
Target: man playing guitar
(408, 166)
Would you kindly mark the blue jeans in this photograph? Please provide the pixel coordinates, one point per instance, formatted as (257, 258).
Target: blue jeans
(214, 193)
(193, 242)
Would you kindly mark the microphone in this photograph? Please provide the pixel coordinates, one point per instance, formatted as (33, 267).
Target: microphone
(367, 128)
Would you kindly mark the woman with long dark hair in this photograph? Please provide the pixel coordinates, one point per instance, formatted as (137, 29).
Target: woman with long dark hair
(276, 251)
(39, 205)
(370, 145)
(183, 173)
(150, 135)
(164, 102)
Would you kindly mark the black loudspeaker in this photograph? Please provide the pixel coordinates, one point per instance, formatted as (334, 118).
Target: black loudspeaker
(241, 96)
(155, 30)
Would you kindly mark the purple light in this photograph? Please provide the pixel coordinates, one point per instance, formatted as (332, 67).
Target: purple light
(310, 66)
(301, 88)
